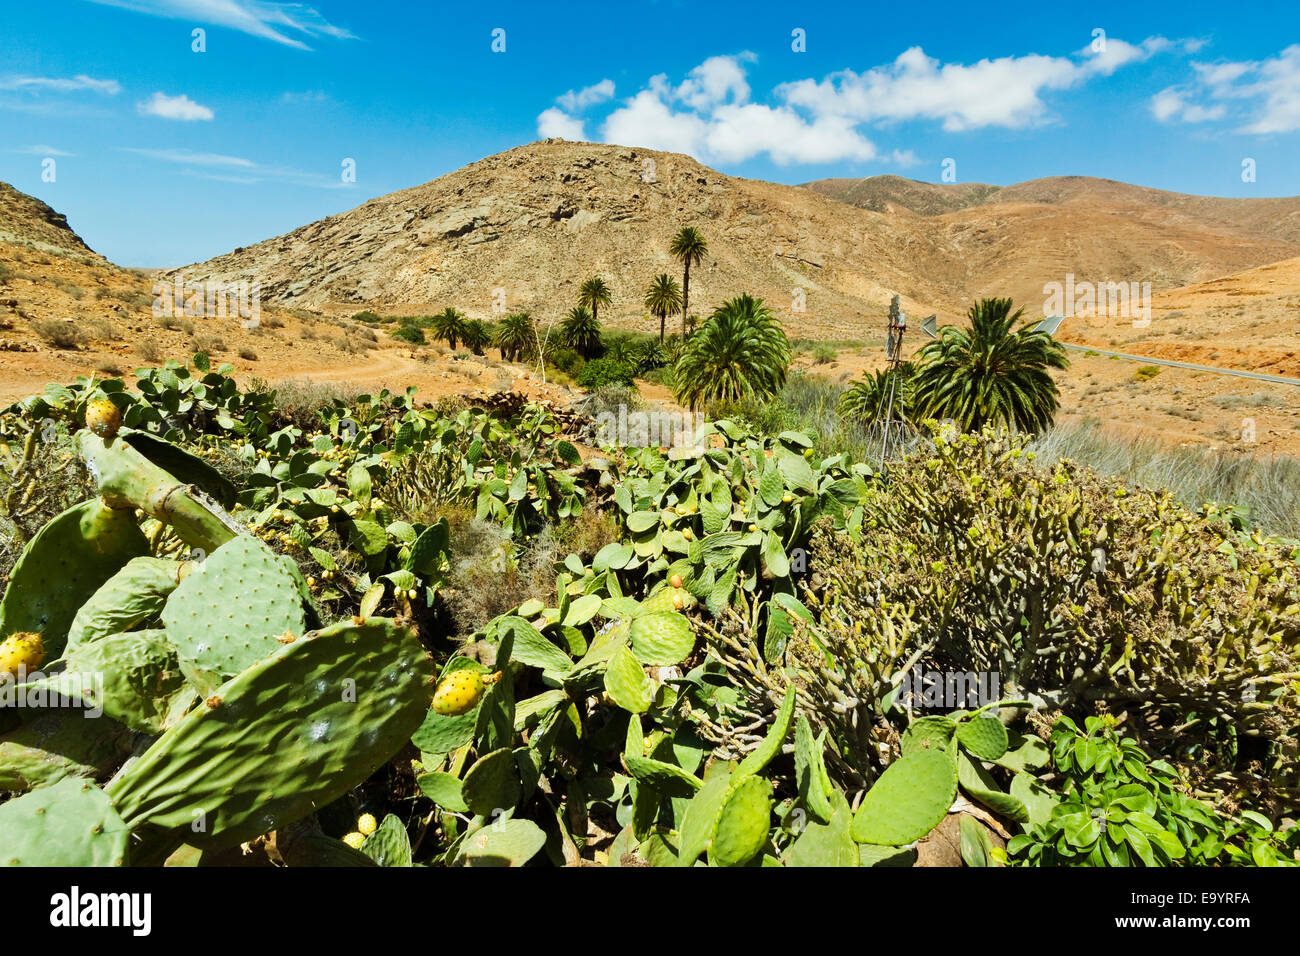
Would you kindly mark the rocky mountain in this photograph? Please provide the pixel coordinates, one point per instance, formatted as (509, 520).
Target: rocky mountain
(522, 229)
(25, 220)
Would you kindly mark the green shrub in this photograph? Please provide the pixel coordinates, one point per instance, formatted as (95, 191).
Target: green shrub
(409, 333)
(1082, 592)
(598, 373)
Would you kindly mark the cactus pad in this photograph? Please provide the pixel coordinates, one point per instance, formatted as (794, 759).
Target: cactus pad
(71, 823)
(770, 745)
(505, 843)
(741, 830)
(66, 563)
(908, 801)
(492, 784)
(60, 743)
(389, 845)
(661, 639)
(985, 737)
(130, 598)
(290, 733)
(230, 610)
(928, 733)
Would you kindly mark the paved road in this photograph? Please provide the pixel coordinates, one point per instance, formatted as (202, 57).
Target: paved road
(1148, 360)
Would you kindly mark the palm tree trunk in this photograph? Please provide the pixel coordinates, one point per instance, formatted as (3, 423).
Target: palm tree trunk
(686, 296)
(663, 317)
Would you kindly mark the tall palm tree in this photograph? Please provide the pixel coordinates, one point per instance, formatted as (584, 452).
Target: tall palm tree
(475, 336)
(593, 294)
(991, 373)
(689, 247)
(514, 336)
(449, 325)
(581, 332)
(663, 298)
(741, 351)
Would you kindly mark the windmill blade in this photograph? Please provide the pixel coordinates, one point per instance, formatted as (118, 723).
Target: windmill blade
(929, 325)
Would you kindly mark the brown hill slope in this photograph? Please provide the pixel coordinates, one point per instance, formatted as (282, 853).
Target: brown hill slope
(521, 230)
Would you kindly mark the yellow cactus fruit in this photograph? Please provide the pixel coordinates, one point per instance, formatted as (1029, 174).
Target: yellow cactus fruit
(21, 651)
(458, 693)
(103, 417)
(355, 840)
(367, 824)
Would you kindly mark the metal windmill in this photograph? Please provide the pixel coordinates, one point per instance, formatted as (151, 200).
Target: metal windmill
(890, 420)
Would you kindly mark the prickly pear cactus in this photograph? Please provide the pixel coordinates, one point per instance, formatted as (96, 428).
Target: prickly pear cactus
(290, 733)
(507, 843)
(63, 566)
(985, 737)
(741, 830)
(232, 610)
(908, 801)
(140, 674)
(128, 599)
(56, 743)
(71, 823)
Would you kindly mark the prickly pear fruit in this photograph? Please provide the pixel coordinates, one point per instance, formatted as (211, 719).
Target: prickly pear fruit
(103, 417)
(21, 653)
(367, 824)
(458, 693)
(64, 565)
(355, 839)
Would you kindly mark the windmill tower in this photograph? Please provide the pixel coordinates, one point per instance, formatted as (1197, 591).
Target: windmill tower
(890, 427)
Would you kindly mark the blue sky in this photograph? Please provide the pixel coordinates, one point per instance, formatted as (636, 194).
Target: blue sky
(163, 155)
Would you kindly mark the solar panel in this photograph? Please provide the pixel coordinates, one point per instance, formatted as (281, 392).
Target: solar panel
(1050, 324)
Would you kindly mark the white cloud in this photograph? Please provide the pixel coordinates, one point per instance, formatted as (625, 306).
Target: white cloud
(237, 169)
(1171, 104)
(711, 113)
(191, 159)
(648, 120)
(1265, 94)
(41, 150)
(556, 122)
(258, 18)
(179, 107)
(60, 85)
(576, 102)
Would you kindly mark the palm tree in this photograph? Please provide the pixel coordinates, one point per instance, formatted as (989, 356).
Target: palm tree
(449, 325)
(514, 336)
(688, 246)
(581, 332)
(475, 336)
(990, 374)
(621, 349)
(663, 298)
(593, 294)
(866, 400)
(739, 352)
